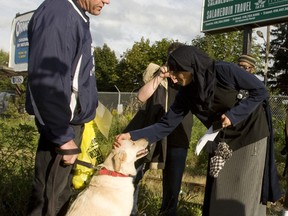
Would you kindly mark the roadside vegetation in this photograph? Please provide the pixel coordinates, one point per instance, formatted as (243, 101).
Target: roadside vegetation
(18, 142)
(18, 135)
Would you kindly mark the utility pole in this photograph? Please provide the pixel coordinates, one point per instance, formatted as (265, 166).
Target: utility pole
(267, 51)
(247, 38)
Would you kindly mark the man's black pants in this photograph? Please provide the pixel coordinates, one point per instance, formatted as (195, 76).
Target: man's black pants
(51, 189)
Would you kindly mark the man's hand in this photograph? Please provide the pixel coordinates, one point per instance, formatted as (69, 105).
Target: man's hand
(119, 137)
(69, 159)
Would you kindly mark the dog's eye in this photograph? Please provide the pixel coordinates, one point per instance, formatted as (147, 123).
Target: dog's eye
(133, 143)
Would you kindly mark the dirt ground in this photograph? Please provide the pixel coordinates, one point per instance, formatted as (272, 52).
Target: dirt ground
(198, 183)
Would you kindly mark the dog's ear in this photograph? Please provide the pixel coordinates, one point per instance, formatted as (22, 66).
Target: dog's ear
(118, 158)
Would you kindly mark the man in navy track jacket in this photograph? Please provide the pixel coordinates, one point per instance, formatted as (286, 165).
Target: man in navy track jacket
(61, 93)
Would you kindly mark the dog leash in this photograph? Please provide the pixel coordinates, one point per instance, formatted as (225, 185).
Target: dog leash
(86, 164)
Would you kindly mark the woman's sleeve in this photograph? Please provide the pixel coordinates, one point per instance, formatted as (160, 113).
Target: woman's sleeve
(165, 126)
(239, 79)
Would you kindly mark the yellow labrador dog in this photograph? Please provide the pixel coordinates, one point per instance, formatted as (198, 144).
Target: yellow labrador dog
(110, 191)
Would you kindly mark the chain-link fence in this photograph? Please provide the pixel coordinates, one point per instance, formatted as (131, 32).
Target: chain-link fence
(278, 104)
(112, 99)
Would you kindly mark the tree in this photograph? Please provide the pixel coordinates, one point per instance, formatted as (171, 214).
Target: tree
(226, 46)
(132, 65)
(158, 51)
(5, 83)
(134, 61)
(129, 71)
(223, 46)
(15, 93)
(105, 68)
(4, 58)
(279, 71)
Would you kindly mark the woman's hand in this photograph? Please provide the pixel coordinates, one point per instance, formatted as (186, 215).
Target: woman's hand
(119, 137)
(225, 121)
(163, 72)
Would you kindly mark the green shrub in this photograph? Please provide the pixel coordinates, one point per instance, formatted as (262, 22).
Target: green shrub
(17, 152)
(193, 160)
(149, 201)
(18, 143)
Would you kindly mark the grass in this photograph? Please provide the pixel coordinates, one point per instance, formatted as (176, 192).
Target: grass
(190, 199)
(18, 141)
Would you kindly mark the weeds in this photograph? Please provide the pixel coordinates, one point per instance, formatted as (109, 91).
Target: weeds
(18, 141)
(17, 151)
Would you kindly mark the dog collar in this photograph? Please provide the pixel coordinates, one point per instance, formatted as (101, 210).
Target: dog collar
(104, 171)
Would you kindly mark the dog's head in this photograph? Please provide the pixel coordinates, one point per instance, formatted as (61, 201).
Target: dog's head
(124, 157)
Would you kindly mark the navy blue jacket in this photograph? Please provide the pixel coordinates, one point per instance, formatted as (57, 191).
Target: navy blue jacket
(61, 73)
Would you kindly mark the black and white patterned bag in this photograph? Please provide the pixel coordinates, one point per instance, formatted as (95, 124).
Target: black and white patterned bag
(217, 162)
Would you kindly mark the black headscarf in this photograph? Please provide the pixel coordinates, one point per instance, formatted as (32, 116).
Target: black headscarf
(192, 59)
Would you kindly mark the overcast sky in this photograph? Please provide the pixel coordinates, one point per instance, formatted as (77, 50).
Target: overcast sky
(124, 22)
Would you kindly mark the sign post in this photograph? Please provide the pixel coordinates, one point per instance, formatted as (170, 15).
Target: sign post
(17, 79)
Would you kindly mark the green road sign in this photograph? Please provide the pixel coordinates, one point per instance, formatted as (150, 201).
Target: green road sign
(223, 15)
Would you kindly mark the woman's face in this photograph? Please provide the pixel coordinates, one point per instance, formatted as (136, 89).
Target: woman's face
(246, 66)
(182, 78)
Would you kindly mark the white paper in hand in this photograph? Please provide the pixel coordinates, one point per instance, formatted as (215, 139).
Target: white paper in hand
(208, 136)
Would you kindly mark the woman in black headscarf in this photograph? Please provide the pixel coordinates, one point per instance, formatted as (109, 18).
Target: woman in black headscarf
(242, 175)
